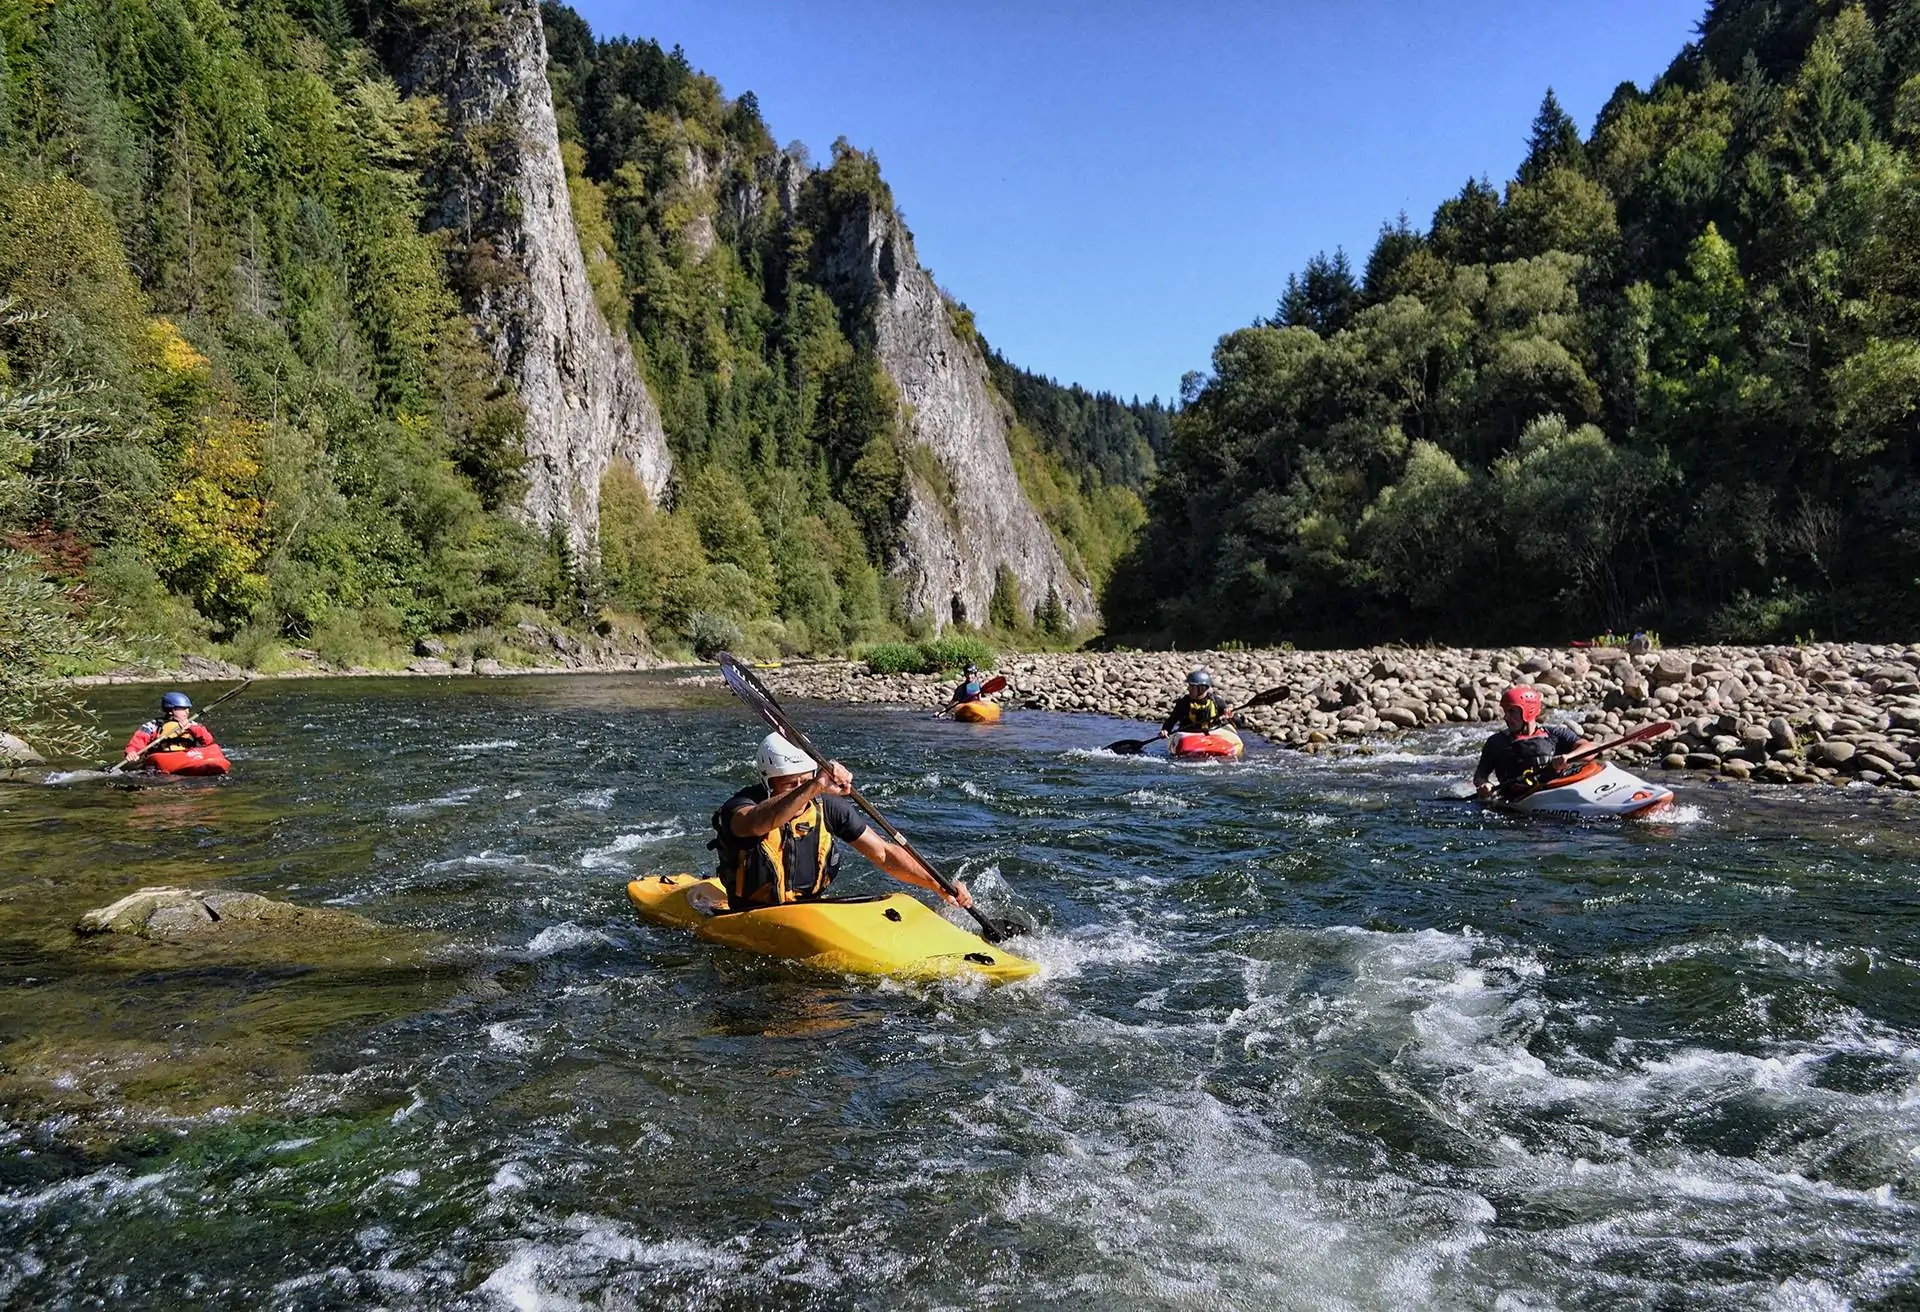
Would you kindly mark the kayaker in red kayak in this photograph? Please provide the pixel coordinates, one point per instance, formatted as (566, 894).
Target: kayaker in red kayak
(779, 841)
(1526, 750)
(175, 731)
(1199, 711)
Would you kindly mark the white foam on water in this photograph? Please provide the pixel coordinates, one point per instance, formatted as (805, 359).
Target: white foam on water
(562, 938)
(504, 1037)
(293, 1145)
(403, 1179)
(1192, 1203)
(570, 1272)
(459, 797)
(102, 1187)
(1098, 947)
(657, 831)
(479, 860)
(490, 745)
(597, 799)
(407, 1113)
(1156, 800)
(510, 1178)
(971, 789)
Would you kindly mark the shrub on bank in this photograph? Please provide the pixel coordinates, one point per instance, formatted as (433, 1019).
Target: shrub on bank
(928, 657)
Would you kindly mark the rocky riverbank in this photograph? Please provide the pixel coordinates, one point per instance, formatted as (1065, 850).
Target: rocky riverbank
(1822, 713)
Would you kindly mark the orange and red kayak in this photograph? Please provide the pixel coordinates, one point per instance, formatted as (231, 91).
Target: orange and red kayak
(1222, 744)
(192, 761)
(978, 712)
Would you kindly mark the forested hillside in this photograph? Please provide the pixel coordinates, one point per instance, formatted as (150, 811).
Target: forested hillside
(244, 404)
(1666, 376)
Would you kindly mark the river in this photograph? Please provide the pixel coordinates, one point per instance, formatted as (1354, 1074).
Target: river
(1304, 1036)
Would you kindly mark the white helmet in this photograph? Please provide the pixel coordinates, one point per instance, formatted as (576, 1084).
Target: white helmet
(778, 757)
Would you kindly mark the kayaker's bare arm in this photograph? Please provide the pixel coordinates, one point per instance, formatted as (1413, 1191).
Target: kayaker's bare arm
(899, 863)
(762, 818)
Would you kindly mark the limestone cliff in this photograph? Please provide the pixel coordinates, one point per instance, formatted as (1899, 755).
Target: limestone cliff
(505, 196)
(955, 536)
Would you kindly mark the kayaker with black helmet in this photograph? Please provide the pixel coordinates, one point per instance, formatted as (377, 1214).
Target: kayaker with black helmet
(1198, 711)
(969, 689)
(175, 731)
(780, 841)
(1526, 750)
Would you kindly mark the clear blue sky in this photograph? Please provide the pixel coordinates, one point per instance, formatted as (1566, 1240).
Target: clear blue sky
(1112, 186)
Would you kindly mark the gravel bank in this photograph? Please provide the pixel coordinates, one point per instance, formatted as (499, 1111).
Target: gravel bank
(1823, 713)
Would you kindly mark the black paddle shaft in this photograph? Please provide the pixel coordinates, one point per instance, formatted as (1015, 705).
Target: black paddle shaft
(747, 686)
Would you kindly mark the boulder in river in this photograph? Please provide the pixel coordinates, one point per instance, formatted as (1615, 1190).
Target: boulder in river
(15, 751)
(172, 914)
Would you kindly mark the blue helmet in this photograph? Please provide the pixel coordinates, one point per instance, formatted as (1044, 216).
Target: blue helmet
(175, 701)
(1199, 679)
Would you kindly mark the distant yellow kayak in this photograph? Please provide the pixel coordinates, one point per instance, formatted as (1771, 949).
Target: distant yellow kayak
(894, 934)
(977, 712)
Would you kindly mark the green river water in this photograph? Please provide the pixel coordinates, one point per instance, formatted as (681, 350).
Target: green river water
(1303, 1037)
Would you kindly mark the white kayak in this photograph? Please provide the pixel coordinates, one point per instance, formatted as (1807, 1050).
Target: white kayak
(1595, 788)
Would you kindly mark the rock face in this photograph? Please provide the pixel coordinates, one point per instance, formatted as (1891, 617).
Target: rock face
(955, 537)
(585, 402)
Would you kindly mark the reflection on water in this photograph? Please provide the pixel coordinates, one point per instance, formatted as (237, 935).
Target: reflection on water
(1304, 1035)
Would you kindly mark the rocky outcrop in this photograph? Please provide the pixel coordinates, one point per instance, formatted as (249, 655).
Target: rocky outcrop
(957, 533)
(16, 751)
(171, 915)
(586, 405)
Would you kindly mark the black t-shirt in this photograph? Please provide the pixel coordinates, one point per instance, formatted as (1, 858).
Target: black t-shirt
(1509, 756)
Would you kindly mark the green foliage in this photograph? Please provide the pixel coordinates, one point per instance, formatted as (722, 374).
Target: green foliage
(929, 657)
(1669, 375)
(896, 658)
(954, 652)
(45, 636)
(1003, 608)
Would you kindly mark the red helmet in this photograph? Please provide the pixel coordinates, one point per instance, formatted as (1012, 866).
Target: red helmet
(1527, 699)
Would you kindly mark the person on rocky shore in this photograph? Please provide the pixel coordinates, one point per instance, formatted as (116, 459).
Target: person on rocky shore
(1199, 711)
(1526, 752)
(175, 731)
(779, 841)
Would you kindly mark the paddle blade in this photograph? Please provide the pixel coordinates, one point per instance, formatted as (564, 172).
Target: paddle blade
(1131, 746)
(747, 687)
(996, 684)
(1269, 697)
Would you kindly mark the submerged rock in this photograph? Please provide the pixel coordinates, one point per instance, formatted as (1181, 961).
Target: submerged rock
(172, 914)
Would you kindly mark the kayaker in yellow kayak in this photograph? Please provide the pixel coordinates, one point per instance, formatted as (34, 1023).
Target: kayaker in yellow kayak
(969, 689)
(779, 842)
(1198, 711)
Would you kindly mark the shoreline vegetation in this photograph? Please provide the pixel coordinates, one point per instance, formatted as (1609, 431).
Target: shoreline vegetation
(1823, 713)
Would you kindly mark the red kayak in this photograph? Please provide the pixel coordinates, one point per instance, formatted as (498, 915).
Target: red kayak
(1222, 742)
(192, 761)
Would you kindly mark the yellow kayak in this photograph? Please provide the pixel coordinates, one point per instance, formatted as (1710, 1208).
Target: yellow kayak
(977, 712)
(888, 935)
